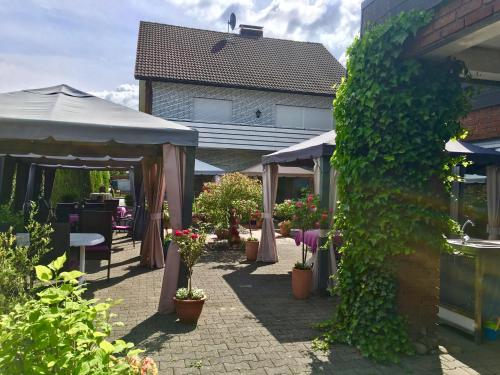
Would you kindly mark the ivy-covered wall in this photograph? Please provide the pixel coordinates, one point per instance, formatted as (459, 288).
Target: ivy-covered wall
(75, 184)
(394, 115)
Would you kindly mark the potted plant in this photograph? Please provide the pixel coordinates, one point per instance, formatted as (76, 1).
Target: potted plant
(284, 212)
(248, 212)
(189, 301)
(305, 217)
(166, 243)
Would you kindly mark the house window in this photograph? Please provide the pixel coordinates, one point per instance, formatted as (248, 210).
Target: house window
(288, 116)
(213, 110)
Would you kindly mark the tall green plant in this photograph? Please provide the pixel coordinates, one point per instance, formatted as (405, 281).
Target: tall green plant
(394, 115)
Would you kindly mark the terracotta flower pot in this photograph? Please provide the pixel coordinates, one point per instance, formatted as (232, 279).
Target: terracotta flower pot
(301, 283)
(188, 311)
(251, 250)
(285, 228)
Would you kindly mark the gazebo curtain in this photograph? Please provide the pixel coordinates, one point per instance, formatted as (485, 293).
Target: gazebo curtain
(174, 159)
(154, 188)
(8, 165)
(267, 248)
(493, 198)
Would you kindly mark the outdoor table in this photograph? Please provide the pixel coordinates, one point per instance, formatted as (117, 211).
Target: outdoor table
(310, 238)
(75, 240)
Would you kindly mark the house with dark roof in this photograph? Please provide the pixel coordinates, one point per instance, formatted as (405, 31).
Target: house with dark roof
(246, 94)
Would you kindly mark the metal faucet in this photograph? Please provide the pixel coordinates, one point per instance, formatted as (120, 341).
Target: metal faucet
(466, 238)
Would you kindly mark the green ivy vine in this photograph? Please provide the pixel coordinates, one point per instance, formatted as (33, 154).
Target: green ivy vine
(394, 115)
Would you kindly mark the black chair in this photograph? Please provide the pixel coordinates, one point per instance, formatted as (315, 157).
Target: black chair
(63, 210)
(98, 222)
(59, 241)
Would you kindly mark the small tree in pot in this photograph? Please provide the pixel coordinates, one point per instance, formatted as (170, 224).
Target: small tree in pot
(247, 210)
(189, 301)
(306, 217)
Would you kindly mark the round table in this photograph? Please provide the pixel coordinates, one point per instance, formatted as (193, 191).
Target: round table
(80, 240)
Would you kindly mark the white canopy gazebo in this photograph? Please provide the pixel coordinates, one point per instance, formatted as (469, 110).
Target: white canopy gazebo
(62, 126)
(316, 153)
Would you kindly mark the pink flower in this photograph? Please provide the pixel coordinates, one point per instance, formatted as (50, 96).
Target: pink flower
(298, 204)
(178, 233)
(317, 224)
(310, 197)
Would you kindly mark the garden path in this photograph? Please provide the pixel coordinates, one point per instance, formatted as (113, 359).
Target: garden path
(251, 324)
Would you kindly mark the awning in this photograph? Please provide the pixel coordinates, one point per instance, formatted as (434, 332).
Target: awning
(204, 169)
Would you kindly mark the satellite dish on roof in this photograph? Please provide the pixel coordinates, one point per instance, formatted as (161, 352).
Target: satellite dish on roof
(232, 22)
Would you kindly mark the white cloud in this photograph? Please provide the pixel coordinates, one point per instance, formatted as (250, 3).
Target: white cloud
(126, 94)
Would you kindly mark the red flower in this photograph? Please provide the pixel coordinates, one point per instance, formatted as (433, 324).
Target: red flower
(194, 236)
(313, 206)
(186, 231)
(178, 233)
(310, 197)
(324, 216)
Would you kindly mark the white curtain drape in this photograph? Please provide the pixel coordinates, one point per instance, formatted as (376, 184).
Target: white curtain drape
(317, 175)
(267, 247)
(174, 171)
(493, 198)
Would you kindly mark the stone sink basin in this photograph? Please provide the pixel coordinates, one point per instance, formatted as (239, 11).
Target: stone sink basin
(475, 244)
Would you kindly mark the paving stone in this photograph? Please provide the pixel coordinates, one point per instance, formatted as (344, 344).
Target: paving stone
(251, 324)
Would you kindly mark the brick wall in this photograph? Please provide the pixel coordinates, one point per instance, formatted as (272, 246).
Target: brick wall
(454, 16)
(483, 123)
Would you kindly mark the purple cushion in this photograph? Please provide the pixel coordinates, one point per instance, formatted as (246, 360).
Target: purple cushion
(122, 227)
(97, 248)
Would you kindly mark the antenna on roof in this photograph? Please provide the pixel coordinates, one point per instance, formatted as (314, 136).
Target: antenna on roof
(231, 22)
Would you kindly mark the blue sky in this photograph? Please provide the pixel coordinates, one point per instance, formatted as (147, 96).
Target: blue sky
(90, 44)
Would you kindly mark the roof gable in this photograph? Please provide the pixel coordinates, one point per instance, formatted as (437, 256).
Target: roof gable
(181, 54)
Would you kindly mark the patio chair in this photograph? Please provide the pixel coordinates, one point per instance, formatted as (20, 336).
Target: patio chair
(63, 210)
(98, 222)
(112, 205)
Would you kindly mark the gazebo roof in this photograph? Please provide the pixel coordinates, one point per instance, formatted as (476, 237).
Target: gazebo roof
(63, 121)
(283, 171)
(324, 145)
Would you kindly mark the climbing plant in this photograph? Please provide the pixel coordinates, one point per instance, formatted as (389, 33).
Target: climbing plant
(394, 115)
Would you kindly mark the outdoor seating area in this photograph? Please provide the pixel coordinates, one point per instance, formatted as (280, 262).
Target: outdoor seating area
(267, 209)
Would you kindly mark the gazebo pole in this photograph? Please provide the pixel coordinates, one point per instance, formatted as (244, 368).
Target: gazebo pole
(187, 207)
(323, 258)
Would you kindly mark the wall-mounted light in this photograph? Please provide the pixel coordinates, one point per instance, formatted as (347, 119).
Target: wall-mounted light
(258, 113)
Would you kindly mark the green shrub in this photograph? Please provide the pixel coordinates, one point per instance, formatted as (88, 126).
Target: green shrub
(17, 262)
(9, 218)
(60, 332)
(285, 210)
(73, 184)
(129, 201)
(217, 199)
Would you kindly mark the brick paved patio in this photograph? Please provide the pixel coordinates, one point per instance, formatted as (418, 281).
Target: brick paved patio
(251, 324)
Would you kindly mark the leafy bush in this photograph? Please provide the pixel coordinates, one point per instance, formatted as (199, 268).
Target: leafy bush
(72, 182)
(218, 199)
(60, 332)
(129, 201)
(285, 210)
(17, 262)
(10, 218)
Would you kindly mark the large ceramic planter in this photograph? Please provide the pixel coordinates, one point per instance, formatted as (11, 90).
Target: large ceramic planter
(301, 283)
(188, 311)
(285, 228)
(251, 250)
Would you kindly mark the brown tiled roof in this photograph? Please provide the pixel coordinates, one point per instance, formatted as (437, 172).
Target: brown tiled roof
(181, 54)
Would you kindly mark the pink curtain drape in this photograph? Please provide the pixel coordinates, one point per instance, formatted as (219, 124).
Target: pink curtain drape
(174, 160)
(267, 248)
(154, 189)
